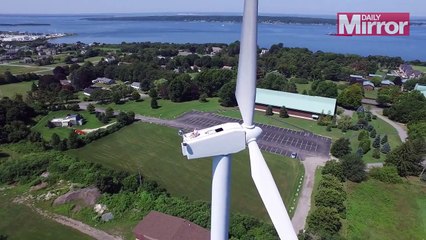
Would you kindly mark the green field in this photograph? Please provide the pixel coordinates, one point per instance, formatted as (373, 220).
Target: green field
(41, 126)
(376, 210)
(155, 152)
(20, 222)
(420, 68)
(19, 69)
(168, 109)
(10, 90)
(301, 87)
(371, 94)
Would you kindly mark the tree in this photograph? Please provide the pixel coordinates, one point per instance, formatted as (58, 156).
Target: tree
(341, 147)
(353, 168)
(376, 153)
(269, 111)
(373, 133)
(135, 96)
(55, 140)
(324, 221)
(388, 95)
(350, 97)
(203, 98)
(334, 168)
(385, 148)
(329, 181)
(91, 108)
(324, 89)
(116, 98)
(408, 107)
(365, 145)
(417, 130)
(154, 103)
(227, 95)
(344, 123)
(376, 142)
(73, 140)
(283, 112)
(153, 93)
(384, 139)
(362, 135)
(109, 113)
(359, 152)
(332, 198)
(407, 158)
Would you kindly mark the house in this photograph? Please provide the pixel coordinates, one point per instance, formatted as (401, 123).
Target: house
(90, 90)
(161, 226)
(375, 75)
(407, 71)
(356, 79)
(227, 68)
(68, 121)
(368, 86)
(386, 83)
(297, 105)
(103, 80)
(264, 51)
(136, 85)
(421, 88)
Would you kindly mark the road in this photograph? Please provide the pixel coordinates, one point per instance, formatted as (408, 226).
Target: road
(304, 203)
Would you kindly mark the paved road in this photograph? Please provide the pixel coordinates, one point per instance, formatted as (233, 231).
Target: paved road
(400, 128)
(304, 203)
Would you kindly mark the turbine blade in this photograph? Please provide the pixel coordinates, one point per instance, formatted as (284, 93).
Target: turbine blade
(247, 67)
(269, 193)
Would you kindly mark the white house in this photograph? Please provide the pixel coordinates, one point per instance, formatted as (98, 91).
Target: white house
(136, 85)
(68, 121)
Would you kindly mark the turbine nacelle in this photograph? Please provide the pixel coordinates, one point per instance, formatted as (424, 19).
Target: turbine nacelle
(219, 140)
(224, 139)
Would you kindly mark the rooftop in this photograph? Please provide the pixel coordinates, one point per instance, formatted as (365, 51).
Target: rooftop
(157, 225)
(295, 101)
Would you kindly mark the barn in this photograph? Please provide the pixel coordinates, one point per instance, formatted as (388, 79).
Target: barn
(297, 105)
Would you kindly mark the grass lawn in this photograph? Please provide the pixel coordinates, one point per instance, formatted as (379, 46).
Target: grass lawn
(155, 152)
(168, 109)
(20, 222)
(382, 128)
(376, 210)
(91, 122)
(301, 87)
(10, 90)
(18, 69)
(93, 59)
(371, 94)
(420, 68)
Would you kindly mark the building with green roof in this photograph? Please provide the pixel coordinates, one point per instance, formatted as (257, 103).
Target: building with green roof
(421, 88)
(296, 104)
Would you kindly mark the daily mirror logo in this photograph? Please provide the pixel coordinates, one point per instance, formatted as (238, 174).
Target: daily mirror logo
(373, 24)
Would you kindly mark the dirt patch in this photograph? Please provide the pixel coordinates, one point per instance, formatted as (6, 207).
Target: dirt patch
(87, 196)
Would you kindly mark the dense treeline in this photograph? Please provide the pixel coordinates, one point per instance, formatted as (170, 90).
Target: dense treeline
(127, 196)
(15, 117)
(8, 77)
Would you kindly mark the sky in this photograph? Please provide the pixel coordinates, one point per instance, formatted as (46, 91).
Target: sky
(305, 7)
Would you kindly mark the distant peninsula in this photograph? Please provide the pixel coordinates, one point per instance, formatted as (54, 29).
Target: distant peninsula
(23, 24)
(233, 19)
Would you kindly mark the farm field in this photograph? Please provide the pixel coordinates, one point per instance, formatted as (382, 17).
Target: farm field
(19, 69)
(376, 210)
(159, 158)
(168, 109)
(420, 68)
(41, 126)
(23, 223)
(10, 90)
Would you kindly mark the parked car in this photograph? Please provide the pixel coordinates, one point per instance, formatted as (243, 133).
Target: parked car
(293, 155)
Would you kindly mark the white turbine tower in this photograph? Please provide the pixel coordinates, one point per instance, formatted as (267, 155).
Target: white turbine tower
(222, 140)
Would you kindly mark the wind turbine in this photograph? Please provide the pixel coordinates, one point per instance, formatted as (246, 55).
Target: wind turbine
(223, 140)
